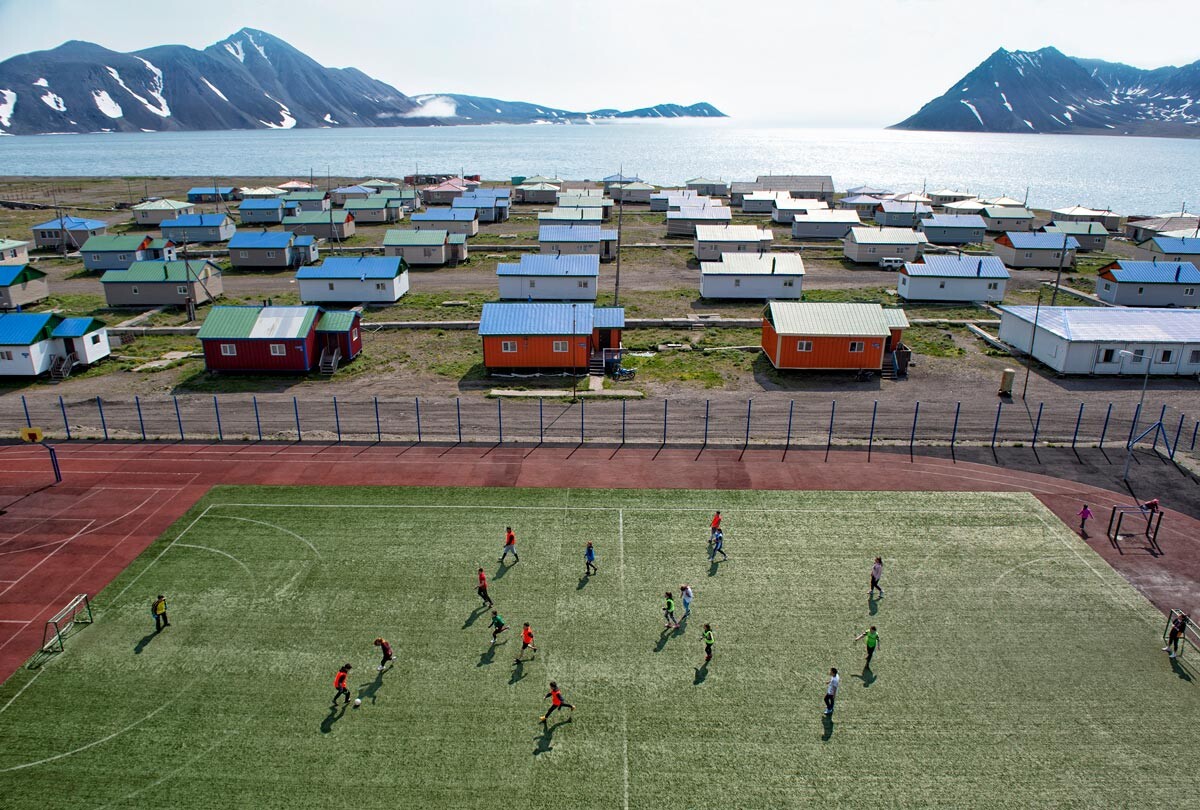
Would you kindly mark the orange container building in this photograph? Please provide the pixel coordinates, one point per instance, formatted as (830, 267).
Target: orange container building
(799, 335)
(549, 336)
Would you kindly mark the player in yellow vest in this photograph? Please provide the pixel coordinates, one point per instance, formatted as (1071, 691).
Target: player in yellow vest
(159, 609)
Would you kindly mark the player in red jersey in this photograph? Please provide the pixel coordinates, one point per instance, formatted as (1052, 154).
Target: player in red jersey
(526, 642)
(340, 683)
(386, 649)
(556, 702)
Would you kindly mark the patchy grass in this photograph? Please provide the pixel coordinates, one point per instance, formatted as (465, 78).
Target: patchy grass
(428, 307)
(932, 342)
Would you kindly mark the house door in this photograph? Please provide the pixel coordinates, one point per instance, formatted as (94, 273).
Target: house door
(887, 345)
(605, 339)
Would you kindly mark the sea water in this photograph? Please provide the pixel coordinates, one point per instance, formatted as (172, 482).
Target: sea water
(1129, 175)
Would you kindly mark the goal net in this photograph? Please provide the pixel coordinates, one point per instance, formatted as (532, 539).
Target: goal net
(78, 611)
(1190, 637)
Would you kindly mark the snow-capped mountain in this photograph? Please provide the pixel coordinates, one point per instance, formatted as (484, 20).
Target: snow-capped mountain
(251, 80)
(1046, 91)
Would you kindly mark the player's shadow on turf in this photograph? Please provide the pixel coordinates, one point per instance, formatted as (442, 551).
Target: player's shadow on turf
(712, 568)
(144, 643)
(501, 571)
(1179, 670)
(867, 677)
(486, 657)
(667, 634)
(583, 581)
(545, 739)
(475, 614)
(872, 605)
(334, 715)
(367, 690)
(827, 722)
(518, 672)
(701, 674)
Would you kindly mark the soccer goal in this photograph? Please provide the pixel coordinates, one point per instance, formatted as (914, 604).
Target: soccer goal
(1191, 635)
(1135, 521)
(59, 626)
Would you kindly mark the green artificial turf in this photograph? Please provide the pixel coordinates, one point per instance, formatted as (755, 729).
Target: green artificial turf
(1016, 669)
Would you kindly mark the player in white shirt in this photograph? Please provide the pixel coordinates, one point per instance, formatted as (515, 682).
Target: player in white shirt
(831, 691)
(876, 575)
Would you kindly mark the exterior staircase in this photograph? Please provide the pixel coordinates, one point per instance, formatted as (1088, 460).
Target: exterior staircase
(596, 364)
(62, 366)
(330, 360)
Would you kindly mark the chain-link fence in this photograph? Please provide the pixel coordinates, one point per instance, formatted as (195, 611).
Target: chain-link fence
(765, 422)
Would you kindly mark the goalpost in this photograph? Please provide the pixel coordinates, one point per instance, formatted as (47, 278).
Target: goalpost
(1191, 634)
(59, 626)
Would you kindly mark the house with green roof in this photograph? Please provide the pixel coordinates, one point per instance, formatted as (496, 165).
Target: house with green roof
(115, 252)
(13, 251)
(153, 213)
(427, 247)
(335, 225)
(375, 209)
(22, 285)
(279, 339)
(158, 283)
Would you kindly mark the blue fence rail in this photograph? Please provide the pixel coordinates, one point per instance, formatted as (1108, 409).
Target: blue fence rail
(761, 422)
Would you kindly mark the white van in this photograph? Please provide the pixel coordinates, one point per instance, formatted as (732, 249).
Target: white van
(891, 263)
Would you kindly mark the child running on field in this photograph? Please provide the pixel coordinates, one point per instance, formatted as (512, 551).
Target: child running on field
(872, 637)
(386, 649)
(482, 590)
(556, 702)
(876, 575)
(526, 642)
(498, 625)
(718, 547)
(339, 683)
(589, 560)
(510, 546)
(669, 610)
(708, 643)
(685, 593)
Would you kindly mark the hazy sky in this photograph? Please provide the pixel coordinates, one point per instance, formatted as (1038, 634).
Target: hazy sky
(803, 62)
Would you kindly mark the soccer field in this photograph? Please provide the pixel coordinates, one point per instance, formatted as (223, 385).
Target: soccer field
(1015, 668)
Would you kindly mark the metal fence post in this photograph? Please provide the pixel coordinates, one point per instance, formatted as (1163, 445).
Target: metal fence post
(458, 416)
(378, 424)
(1104, 430)
(417, 402)
(62, 406)
(1178, 430)
(829, 439)
(1137, 414)
(912, 437)
(500, 419)
(104, 424)
(625, 402)
(1037, 425)
(25, 405)
(706, 404)
(788, 441)
(954, 430)
(296, 408)
(542, 422)
(871, 438)
(664, 439)
(581, 420)
(141, 423)
(746, 442)
(178, 418)
(337, 420)
(1161, 416)
(257, 418)
(996, 427)
(217, 411)
(1195, 430)
(1078, 419)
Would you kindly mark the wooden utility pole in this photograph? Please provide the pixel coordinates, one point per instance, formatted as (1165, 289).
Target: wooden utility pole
(620, 217)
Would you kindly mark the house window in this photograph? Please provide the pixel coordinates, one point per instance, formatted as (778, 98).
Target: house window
(804, 345)
(95, 257)
(241, 254)
(1189, 290)
(1165, 356)
(532, 283)
(1107, 286)
(1141, 290)
(95, 339)
(354, 333)
(993, 285)
(1029, 254)
(379, 285)
(941, 285)
(737, 282)
(270, 254)
(560, 346)
(1108, 355)
(428, 252)
(278, 350)
(134, 291)
(789, 282)
(870, 250)
(6, 355)
(1138, 355)
(583, 283)
(857, 346)
(331, 285)
(1194, 357)
(228, 350)
(122, 257)
(508, 346)
(181, 289)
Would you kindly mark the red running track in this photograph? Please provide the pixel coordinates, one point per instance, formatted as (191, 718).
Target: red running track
(75, 537)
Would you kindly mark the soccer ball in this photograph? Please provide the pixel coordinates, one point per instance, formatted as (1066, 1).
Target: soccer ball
(357, 702)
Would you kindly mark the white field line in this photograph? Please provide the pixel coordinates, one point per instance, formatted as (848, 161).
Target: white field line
(1111, 586)
(624, 704)
(552, 507)
(188, 528)
(171, 775)
(271, 526)
(15, 621)
(39, 563)
(28, 684)
(245, 568)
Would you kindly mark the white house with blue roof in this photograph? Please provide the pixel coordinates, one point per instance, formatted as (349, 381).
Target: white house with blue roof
(358, 279)
(33, 343)
(578, 240)
(341, 195)
(1089, 340)
(266, 211)
(491, 204)
(960, 278)
(1130, 283)
(69, 231)
(198, 228)
(550, 277)
(1022, 249)
(1171, 249)
(953, 229)
(271, 249)
(452, 220)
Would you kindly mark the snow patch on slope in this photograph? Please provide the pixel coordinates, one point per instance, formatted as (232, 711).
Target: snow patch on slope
(972, 108)
(106, 105)
(213, 87)
(8, 102)
(286, 120)
(54, 102)
(1005, 99)
(257, 47)
(329, 119)
(236, 50)
(156, 90)
(41, 83)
